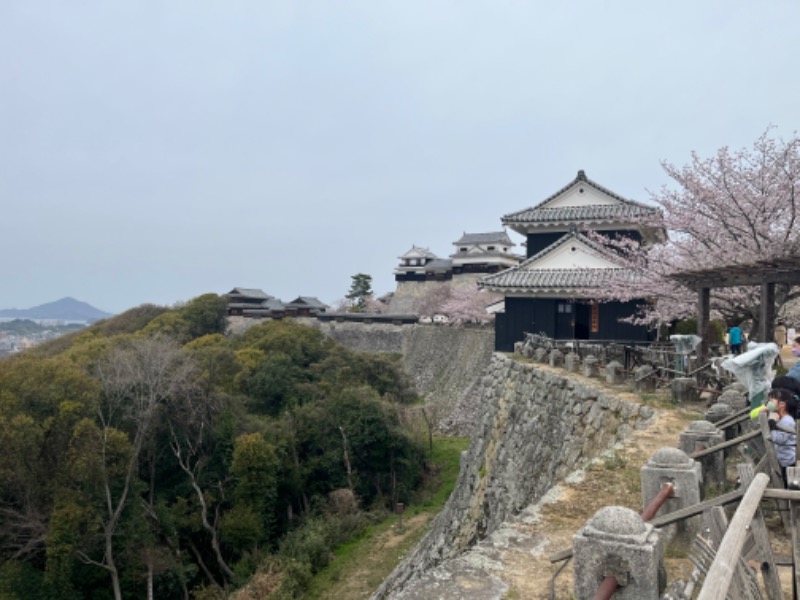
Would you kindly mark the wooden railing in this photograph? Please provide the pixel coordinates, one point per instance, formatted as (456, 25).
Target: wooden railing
(728, 571)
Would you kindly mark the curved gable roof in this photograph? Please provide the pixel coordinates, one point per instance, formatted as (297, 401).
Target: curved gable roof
(555, 211)
(500, 237)
(417, 252)
(541, 273)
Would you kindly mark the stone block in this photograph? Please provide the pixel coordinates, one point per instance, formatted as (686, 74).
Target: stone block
(671, 465)
(734, 398)
(540, 355)
(614, 374)
(571, 362)
(616, 542)
(591, 366)
(700, 435)
(684, 389)
(719, 412)
(644, 378)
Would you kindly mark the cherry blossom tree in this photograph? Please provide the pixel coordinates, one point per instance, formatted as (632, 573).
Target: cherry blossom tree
(735, 207)
(434, 298)
(468, 305)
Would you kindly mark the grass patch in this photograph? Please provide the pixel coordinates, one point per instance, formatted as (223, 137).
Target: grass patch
(360, 565)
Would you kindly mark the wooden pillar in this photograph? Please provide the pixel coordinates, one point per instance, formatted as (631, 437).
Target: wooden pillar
(703, 322)
(766, 331)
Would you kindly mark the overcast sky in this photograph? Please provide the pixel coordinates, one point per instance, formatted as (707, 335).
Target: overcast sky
(154, 151)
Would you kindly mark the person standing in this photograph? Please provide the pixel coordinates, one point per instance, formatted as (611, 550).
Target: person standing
(735, 339)
(795, 370)
(783, 430)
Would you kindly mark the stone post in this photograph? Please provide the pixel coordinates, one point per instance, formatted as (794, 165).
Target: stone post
(572, 361)
(590, 366)
(738, 386)
(615, 541)
(644, 378)
(700, 435)
(684, 389)
(670, 465)
(556, 358)
(540, 355)
(719, 412)
(734, 398)
(614, 373)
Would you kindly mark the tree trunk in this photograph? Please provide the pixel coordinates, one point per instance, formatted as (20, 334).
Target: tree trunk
(347, 461)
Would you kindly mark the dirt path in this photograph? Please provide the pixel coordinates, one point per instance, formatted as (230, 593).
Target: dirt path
(613, 479)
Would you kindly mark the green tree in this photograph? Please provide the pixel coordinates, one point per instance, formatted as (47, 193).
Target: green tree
(360, 291)
(254, 468)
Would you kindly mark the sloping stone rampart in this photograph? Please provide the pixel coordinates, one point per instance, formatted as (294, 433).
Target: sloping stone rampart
(446, 364)
(536, 427)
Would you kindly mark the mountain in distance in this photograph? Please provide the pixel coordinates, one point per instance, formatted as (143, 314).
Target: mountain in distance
(66, 309)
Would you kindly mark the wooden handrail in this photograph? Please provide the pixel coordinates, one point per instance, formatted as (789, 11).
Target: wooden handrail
(718, 447)
(720, 574)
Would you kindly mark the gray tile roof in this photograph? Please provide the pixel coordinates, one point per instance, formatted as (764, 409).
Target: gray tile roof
(625, 210)
(308, 301)
(550, 280)
(417, 251)
(439, 264)
(500, 237)
(249, 293)
(525, 277)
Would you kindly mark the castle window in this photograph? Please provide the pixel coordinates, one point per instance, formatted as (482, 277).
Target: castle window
(595, 317)
(462, 249)
(490, 248)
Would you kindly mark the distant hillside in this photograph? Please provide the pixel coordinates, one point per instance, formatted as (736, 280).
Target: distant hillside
(66, 309)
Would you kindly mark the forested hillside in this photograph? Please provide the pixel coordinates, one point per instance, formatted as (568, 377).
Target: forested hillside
(150, 456)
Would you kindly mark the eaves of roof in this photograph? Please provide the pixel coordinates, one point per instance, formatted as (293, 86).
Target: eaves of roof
(551, 280)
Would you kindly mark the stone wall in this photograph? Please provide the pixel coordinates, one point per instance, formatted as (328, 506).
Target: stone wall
(408, 293)
(446, 364)
(537, 426)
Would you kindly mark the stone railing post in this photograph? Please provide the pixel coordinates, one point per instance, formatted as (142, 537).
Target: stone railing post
(684, 389)
(571, 362)
(644, 378)
(616, 542)
(670, 465)
(700, 435)
(614, 373)
(556, 358)
(719, 412)
(540, 355)
(734, 398)
(590, 366)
